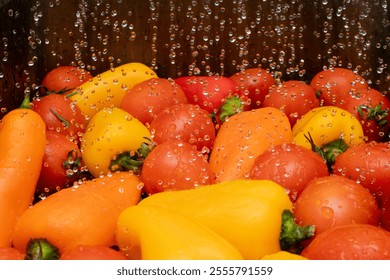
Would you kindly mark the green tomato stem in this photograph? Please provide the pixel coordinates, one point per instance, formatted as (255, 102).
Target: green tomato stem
(64, 121)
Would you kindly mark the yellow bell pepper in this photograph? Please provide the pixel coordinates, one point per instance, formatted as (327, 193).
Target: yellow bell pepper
(112, 134)
(283, 255)
(327, 124)
(156, 233)
(247, 213)
(108, 88)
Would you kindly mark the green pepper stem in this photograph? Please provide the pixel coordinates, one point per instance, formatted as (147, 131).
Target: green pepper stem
(41, 249)
(26, 104)
(292, 234)
(131, 161)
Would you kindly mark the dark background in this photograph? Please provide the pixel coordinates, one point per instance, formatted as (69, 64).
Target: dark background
(297, 38)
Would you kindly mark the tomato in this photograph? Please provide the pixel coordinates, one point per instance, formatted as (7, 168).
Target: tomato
(209, 92)
(369, 165)
(65, 78)
(146, 99)
(92, 252)
(175, 165)
(350, 242)
(186, 122)
(371, 107)
(290, 165)
(254, 83)
(334, 201)
(294, 98)
(61, 115)
(10, 253)
(61, 163)
(336, 84)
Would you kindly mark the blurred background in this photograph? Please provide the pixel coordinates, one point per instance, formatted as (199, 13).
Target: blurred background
(297, 38)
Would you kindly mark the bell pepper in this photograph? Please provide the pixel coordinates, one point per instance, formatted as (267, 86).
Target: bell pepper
(108, 88)
(284, 255)
(326, 124)
(247, 213)
(114, 141)
(22, 147)
(156, 233)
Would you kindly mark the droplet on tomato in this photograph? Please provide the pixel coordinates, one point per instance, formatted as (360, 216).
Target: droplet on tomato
(327, 212)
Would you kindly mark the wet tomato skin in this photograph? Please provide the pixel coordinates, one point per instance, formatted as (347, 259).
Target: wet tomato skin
(55, 173)
(175, 165)
(146, 99)
(334, 201)
(371, 108)
(294, 98)
(369, 165)
(208, 92)
(253, 83)
(60, 114)
(65, 78)
(350, 242)
(186, 122)
(290, 165)
(336, 84)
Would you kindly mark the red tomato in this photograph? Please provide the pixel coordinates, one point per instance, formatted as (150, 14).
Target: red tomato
(60, 114)
(336, 84)
(10, 253)
(65, 78)
(350, 242)
(175, 165)
(371, 107)
(146, 99)
(294, 98)
(254, 83)
(209, 92)
(61, 163)
(290, 165)
(334, 201)
(369, 165)
(96, 252)
(186, 122)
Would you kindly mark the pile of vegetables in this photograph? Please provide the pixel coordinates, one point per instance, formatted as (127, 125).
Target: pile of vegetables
(129, 165)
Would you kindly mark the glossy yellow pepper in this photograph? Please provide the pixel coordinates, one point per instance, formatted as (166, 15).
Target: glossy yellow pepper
(156, 233)
(108, 88)
(247, 213)
(327, 124)
(111, 133)
(283, 255)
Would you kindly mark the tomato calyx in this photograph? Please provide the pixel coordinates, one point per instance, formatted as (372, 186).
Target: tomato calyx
(74, 92)
(292, 234)
(41, 249)
(73, 163)
(232, 105)
(46, 91)
(329, 151)
(131, 160)
(373, 113)
(60, 118)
